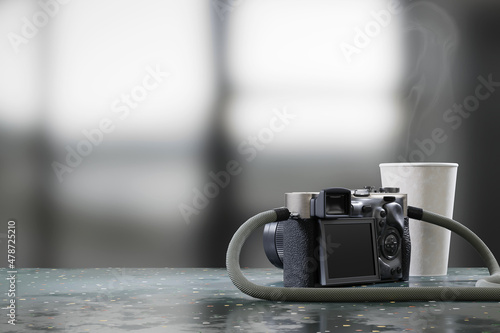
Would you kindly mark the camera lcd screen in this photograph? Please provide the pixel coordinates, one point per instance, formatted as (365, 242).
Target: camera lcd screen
(349, 250)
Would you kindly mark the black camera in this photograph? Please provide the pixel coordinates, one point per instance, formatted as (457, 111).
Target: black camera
(341, 237)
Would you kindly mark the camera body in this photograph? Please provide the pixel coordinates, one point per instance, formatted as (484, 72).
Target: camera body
(341, 237)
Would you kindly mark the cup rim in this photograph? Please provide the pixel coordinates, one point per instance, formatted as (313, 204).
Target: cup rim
(419, 164)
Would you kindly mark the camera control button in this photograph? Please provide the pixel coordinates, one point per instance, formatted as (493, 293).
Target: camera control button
(362, 193)
(366, 209)
(393, 271)
(398, 270)
(391, 245)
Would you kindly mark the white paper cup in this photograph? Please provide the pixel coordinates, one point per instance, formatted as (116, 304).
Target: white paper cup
(430, 186)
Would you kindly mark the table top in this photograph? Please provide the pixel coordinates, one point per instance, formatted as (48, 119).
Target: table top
(204, 300)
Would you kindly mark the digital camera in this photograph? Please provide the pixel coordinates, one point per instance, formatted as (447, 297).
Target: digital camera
(341, 237)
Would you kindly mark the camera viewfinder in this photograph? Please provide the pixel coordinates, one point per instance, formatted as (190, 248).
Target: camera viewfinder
(335, 204)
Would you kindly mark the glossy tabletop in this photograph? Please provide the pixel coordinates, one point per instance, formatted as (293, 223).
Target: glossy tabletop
(204, 300)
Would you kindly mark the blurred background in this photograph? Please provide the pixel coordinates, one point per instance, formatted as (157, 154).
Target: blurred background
(115, 115)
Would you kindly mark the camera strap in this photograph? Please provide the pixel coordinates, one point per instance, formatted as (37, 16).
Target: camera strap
(486, 289)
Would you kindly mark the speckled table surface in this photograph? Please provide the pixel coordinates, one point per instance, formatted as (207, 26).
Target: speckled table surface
(204, 300)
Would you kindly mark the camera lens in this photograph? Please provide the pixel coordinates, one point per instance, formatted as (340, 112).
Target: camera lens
(273, 243)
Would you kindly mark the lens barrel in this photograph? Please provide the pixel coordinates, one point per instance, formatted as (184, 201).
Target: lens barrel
(273, 243)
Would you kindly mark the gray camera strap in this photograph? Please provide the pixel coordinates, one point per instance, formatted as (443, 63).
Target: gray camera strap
(487, 289)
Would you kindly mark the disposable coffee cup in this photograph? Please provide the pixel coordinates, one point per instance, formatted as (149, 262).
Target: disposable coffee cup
(430, 186)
